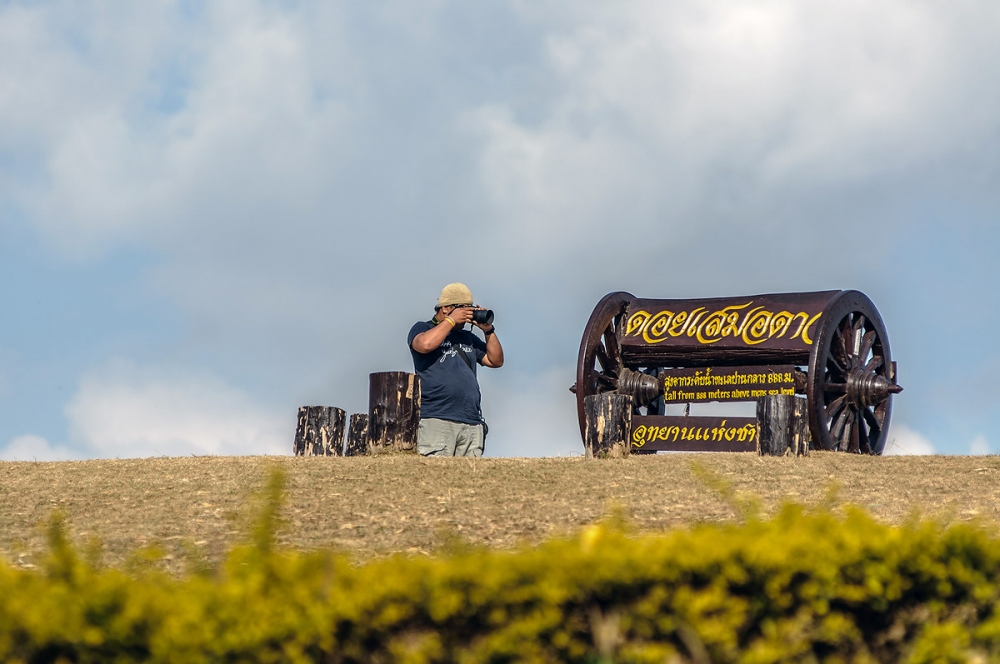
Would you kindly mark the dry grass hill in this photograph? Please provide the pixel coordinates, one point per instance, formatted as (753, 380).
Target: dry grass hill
(194, 508)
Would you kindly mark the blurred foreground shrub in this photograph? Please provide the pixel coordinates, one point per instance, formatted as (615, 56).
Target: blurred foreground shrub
(799, 587)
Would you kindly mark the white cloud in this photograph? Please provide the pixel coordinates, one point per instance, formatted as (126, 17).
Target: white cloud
(36, 448)
(129, 411)
(284, 147)
(980, 445)
(652, 113)
(251, 129)
(666, 116)
(904, 440)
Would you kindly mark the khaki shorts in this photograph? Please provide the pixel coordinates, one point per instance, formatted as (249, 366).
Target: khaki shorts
(443, 438)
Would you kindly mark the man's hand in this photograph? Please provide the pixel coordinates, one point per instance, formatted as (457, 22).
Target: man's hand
(461, 315)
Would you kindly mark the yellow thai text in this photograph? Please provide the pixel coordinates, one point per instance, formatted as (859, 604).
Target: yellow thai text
(742, 322)
(643, 434)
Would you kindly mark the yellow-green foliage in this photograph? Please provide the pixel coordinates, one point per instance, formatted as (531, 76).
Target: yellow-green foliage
(799, 587)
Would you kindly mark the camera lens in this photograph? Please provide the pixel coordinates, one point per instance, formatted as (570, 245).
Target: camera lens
(483, 316)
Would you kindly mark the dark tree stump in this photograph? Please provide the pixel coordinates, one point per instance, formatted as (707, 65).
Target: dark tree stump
(357, 435)
(320, 431)
(608, 420)
(802, 440)
(393, 411)
(775, 425)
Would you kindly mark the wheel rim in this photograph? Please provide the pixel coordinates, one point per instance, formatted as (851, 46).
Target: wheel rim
(850, 378)
(599, 363)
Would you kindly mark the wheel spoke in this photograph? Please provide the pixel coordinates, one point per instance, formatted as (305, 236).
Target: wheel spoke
(601, 354)
(611, 345)
(837, 366)
(844, 439)
(838, 426)
(866, 346)
(834, 407)
(874, 363)
(835, 388)
(845, 327)
(864, 443)
(873, 421)
(856, 331)
(853, 439)
(838, 352)
(846, 337)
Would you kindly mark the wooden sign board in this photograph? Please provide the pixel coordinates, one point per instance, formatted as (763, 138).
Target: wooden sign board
(727, 383)
(786, 321)
(693, 434)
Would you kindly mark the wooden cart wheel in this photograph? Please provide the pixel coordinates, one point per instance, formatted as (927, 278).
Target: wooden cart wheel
(600, 361)
(851, 378)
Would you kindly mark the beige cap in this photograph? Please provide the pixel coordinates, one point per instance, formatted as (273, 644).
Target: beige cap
(455, 294)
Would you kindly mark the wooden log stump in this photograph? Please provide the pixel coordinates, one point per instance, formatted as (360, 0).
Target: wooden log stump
(393, 411)
(802, 440)
(357, 435)
(320, 431)
(775, 425)
(608, 423)
(783, 426)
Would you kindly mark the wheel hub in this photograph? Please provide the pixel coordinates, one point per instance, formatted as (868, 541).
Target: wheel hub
(867, 388)
(643, 388)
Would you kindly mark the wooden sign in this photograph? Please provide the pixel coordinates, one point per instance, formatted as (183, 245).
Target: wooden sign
(786, 321)
(741, 349)
(727, 383)
(693, 434)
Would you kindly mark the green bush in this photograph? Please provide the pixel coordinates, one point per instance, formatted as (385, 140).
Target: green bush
(802, 586)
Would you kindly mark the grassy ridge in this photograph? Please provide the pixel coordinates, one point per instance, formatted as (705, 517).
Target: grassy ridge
(198, 508)
(804, 585)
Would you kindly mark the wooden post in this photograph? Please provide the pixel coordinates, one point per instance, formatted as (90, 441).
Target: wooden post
(775, 424)
(357, 435)
(393, 411)
(608, 423)
(320, 431)
(802, 440)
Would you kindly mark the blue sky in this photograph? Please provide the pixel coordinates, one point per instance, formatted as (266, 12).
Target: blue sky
(213, 213)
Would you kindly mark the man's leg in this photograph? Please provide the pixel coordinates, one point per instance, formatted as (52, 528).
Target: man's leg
(470, 441)
(436, 437)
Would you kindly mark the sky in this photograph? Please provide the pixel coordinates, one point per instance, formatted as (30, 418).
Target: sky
(212, 213)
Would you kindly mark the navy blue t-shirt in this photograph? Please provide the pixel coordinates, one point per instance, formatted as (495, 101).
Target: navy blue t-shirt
(449, 389)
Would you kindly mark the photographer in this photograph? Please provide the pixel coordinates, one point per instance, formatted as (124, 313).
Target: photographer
(445, 356)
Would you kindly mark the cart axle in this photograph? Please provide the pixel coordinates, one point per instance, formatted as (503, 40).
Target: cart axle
(867, 388)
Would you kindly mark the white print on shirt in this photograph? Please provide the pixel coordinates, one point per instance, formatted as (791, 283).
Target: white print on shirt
(451, 352)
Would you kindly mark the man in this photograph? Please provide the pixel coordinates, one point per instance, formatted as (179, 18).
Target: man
(445, 356)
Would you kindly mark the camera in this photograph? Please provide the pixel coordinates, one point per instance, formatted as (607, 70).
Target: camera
(480, 316)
